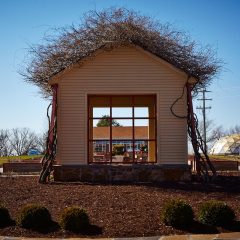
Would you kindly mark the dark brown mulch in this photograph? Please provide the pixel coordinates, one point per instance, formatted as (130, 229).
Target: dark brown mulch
(115, 210)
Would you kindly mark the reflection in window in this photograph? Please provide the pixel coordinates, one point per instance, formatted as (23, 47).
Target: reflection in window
(125, 112)
(99, 112)
(141, 112)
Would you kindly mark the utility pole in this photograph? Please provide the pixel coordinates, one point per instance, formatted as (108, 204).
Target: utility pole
(203, 108)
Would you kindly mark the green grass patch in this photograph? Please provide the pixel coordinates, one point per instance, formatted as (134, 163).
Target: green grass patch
(225, 157)
(25, 157)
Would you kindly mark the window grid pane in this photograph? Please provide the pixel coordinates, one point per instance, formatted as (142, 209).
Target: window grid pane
(131, 131)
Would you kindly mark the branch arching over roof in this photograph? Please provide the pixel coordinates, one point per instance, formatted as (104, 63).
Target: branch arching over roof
(117, 27)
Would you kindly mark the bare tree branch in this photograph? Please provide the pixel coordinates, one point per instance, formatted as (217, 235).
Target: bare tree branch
(234, 130)
(5, 147)
(41, 142)
(112, 28)
(213, 132)
(22, 140)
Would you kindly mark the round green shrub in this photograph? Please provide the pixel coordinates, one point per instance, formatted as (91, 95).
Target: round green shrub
(216, 213)
(74, 219)
(177, 213)
(5, 218)
(34, 217)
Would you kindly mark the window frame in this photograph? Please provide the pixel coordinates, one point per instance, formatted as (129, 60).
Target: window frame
(133, 118)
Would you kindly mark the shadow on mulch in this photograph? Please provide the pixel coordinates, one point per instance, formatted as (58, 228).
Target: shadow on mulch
(199, 228)
(53, 227)
(91, 230)
(225, 184)
(234, 227)
(8, 224)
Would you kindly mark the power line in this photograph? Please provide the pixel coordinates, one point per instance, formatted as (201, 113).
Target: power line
(203, 108)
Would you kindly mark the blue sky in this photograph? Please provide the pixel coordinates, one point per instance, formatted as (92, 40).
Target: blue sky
(214, 22)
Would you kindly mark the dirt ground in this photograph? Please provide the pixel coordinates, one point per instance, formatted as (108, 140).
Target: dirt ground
(116, 210)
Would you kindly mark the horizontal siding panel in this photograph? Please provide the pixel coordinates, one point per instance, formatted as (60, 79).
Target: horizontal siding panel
(181, 157)
(73, 156)
(173, 149)
(76, 162)
(70, 128)
(74, 92)
(114, 77)
(117, 80)
(171, 141)
(70, 153)
(141, 88)
(71, 137)
(169, 161)
(119, 89)
(67, 114)
(165, 131)
(176, 158)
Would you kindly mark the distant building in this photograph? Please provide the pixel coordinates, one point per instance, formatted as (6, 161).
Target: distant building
(227, 145)
(122, 137)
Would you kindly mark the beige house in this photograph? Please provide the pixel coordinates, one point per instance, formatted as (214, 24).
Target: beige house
(119, 91)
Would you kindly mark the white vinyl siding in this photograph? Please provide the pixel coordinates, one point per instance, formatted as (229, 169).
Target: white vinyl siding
(125, 70)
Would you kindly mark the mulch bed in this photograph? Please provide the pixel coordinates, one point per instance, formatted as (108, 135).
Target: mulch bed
(116, 210)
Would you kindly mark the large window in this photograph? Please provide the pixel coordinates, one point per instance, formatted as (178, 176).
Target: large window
(122, 129)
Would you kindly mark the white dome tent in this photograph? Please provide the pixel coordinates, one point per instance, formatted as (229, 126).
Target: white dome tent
(227, 145)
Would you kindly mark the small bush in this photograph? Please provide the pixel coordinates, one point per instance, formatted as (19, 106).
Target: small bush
(74, 219)
(177, 213)
(34, 217)
(5, 219)
(118, 149)
(216, 213)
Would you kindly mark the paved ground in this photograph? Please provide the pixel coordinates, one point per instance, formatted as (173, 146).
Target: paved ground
(221, 236)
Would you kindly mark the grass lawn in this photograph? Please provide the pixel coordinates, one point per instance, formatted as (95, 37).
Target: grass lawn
(25, 157)
(225, 157)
